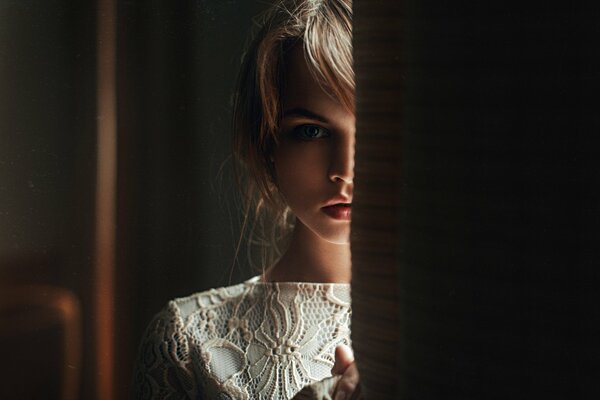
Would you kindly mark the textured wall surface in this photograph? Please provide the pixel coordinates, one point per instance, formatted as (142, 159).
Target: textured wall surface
(488, 111)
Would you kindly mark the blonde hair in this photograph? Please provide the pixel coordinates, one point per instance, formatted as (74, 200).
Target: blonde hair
(324, 29)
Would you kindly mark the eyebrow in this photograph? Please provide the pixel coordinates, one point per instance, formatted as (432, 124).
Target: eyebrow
(303, 112)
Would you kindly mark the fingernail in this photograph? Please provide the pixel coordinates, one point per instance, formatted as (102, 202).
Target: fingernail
(347, 350)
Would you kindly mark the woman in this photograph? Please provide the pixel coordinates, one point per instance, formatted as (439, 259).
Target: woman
(276, 333)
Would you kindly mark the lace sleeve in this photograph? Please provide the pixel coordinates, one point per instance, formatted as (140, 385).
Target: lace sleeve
(163, 369)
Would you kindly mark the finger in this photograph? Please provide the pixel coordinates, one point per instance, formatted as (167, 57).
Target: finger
(347, 386)
(343, 358)
(357, 394)
(350, 376)
(340, 395)
(349, 380)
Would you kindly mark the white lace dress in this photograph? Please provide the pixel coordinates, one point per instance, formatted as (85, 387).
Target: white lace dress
(254, 340)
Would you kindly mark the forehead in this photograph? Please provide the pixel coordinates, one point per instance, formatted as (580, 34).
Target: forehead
(302, 90)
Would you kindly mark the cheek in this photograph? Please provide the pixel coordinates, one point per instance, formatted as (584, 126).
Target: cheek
(301, 170)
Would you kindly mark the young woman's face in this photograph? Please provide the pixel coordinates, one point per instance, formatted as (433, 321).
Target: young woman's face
(314, 161)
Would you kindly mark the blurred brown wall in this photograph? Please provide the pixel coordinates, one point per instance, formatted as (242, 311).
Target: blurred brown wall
(176, 222)
(47, 156)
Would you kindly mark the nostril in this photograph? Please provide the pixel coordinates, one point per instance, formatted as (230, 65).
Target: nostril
(340, 178)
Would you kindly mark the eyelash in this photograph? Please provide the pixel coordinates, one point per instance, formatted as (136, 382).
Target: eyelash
(300, 132)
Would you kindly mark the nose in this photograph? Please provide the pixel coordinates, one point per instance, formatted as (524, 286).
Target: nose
(341, 167)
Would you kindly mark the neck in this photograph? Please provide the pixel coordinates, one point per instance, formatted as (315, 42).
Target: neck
(309, 258)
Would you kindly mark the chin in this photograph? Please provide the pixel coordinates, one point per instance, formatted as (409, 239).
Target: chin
(335, 233)
(340, 237)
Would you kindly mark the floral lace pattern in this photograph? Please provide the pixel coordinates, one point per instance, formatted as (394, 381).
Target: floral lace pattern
(254, 340)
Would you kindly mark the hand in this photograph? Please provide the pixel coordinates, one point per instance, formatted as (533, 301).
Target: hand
(347, 387)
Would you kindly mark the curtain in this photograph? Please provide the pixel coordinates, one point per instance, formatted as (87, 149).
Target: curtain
(475, 215)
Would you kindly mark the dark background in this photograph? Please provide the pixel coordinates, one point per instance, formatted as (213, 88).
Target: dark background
(177, 219)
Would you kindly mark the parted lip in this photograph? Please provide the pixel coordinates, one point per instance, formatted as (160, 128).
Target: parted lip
(339, 200)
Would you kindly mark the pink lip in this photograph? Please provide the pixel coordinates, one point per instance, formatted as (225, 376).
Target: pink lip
(341, 211)
(340, 199)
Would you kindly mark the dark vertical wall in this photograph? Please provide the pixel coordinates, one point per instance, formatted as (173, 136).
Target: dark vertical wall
(47, 155)
(376, 206)
(47, 125)
(177, 223)
(499, 208)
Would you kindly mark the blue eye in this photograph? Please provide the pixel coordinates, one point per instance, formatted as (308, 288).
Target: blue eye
(308, 132)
